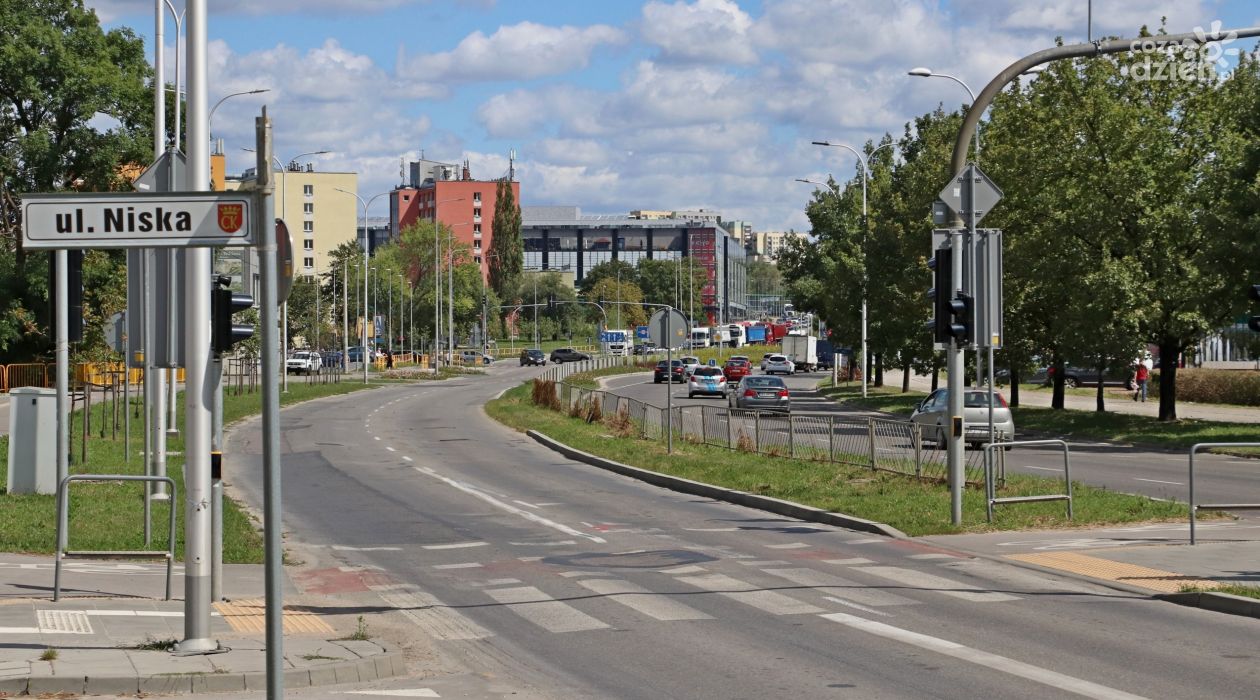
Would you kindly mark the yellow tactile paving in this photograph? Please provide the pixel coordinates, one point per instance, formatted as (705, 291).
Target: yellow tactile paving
(1107, 570)
(250, 616)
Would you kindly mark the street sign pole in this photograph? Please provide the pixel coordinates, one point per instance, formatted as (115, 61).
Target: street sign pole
(197, 429)
(62, 323)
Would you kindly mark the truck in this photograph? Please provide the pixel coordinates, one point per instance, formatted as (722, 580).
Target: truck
(700, 338)
(826, 354)
(737, 335)
(775, 332)
(756, 334)
(618, 343)
(802, 350)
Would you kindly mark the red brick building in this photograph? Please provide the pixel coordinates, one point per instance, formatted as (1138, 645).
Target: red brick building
(446, 193)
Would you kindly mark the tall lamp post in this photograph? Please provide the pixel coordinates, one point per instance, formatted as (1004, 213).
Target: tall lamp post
(365, 205)
(862, 160)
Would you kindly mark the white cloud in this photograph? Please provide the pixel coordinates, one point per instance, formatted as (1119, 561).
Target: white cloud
(1069, 18)
(517, 52)
(110, 10)
(708, 31)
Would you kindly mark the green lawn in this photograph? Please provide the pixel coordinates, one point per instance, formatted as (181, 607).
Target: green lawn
(110, 516)
(915, 507)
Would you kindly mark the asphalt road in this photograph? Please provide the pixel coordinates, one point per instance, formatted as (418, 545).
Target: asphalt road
(554, 579)
(1151, 472)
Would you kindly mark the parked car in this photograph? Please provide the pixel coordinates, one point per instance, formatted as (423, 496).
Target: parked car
(932, 415)
(659, 375)
(332, 359)
(474, 357)
(568, 355)
(356, 354)
(708, 381)
(645, 349)
(779, 364)
(761, 392)
(304, 362)
(533, 356)
(736, 369)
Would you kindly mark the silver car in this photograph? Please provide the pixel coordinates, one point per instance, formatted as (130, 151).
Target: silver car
(778, 364)
(932, 415)
(761, 392)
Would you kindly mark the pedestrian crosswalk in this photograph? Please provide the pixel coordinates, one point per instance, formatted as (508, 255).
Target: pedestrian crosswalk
(564, 600)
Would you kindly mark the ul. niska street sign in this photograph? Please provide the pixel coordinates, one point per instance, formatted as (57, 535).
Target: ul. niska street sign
(128, 220)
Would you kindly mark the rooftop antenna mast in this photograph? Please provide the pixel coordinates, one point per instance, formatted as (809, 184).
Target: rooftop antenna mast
(512, 165)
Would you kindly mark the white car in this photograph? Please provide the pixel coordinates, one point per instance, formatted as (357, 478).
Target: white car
(689, 364)
(304, 362)
(779, 364)
(706, 380)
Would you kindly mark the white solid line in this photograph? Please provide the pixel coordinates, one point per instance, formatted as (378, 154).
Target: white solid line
(851, 604)
(556, 543)
(456, 545)
(467, 565)
(474, 491)
(523, 503)
(1044, 469)
(579, 574)
(347, 548)
(790, 545)
(1157, 481)
(868, 540)
(983, 658)
(19, 630)
(637, 598)
(543, 610)
(847, 562)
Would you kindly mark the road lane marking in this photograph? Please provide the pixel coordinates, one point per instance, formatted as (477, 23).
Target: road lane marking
(983, 658)
(523, 503)
(390, 448)
(399, 693)
(688, 569)
(934, 555)
(433, 616)
(1043, 469)
(843, 588)
(851, 604)
(764, 562)
(474, 491)
(790, 545)
(406, 458)
(376, 438)
(637, 598)
(541, 609)
(937, 584)
(848, 562)
(1157, 481)
(748, 594)
(456, 545)
(868, 540)
(711, 529)
(348, 548)
(465, 565)
(553, 543)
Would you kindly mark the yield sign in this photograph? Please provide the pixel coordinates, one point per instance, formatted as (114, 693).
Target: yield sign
(971, 194)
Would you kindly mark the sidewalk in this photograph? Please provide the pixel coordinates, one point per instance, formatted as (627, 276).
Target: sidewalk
(1153, 559)
(1117, 401)
(111, 631)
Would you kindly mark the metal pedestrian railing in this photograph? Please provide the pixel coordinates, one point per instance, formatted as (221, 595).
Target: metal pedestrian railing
(1196, 507)
(990, 481)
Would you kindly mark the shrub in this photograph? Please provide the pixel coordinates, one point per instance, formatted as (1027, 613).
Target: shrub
(594, 411)
(620, 424)
(1228, 386)
(544, 394)
(745, 443)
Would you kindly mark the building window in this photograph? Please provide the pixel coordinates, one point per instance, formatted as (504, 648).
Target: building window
(477, 213)
(476, 198)
(308, 244)
(308, 226)
(309, 263)
(308, 190)
(308, 208)
(477, 259)
(476, 246)
(477, 229)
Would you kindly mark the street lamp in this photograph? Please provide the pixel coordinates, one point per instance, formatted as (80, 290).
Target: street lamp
(210, 119)
(365, 205)
(922, 72)
(862, 160)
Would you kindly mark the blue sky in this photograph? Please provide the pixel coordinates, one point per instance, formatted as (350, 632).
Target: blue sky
(615, 105)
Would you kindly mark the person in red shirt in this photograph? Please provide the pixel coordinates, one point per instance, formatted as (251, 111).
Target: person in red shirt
(1140, 378)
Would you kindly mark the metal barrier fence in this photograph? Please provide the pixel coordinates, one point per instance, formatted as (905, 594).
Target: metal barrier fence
(996, 451)
(1196, 507)
(874, 443)
(44, 375)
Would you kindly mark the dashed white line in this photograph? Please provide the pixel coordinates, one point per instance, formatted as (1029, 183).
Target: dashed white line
(847, 562)
(790, 545)
(466, 565)
(390, 448)
(406, 458)
(375, 438)
(456, 545)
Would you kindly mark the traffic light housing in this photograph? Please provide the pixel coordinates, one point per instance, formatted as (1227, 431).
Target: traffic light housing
(223, 304)
(939, 264)
(962, 319)
(1253, 322)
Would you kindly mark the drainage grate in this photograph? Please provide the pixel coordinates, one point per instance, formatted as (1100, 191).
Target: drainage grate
(64, 621)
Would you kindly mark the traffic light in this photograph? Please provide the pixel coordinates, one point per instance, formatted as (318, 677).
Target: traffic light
(223, 303)
(940, 295)
(962, 319)
(1254, 322)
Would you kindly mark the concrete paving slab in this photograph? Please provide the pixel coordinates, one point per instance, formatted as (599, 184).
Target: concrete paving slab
(228, 682)
(166, 684)
(361, 648)
(111, 685)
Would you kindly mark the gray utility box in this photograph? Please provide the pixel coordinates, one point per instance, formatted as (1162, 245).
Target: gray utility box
(33, 440)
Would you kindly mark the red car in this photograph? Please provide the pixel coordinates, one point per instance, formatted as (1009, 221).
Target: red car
(736, 370)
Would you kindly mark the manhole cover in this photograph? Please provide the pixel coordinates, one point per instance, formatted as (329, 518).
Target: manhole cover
(657, 559)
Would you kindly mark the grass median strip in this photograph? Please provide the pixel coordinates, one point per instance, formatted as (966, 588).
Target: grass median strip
(912, 506)
(110, 516)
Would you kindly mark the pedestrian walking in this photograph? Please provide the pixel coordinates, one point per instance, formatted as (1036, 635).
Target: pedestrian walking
(1140, 378)
(389, 360)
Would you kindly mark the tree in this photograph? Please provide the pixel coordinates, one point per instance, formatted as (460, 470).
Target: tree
(763, 277)
(74, 105)
(507, 251)
(621, 301)
(665, 282)
(609, 269)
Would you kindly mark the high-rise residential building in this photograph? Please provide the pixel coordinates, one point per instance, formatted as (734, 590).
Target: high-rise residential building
(446, 193)
(767, 244)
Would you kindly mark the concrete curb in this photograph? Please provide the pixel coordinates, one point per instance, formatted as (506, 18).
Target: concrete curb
(1217, 602)
(44, 678)
(696, 488)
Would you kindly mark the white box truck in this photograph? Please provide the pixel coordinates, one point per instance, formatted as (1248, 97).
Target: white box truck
(802, 350)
